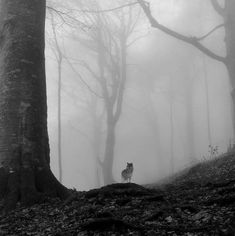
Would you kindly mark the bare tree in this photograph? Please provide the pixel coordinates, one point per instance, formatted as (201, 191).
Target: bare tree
(109, 38)
(227, 12)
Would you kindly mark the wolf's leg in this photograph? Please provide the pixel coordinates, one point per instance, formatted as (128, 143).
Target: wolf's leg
(123, 180)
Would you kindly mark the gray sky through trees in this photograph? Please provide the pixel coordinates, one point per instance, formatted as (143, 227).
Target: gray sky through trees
(159, 69)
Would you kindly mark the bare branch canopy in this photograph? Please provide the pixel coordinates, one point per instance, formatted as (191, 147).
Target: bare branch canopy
(194, 41)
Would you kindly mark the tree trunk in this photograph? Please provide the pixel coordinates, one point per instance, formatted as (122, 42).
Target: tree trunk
(59, 120)
(207, 102)
(113, 115)
(107, 165)
(189, 99)
(153, 123)
(172, 161)
(24, 147)
(229, 19)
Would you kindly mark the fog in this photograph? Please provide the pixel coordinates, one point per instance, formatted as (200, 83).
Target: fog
(176, 99)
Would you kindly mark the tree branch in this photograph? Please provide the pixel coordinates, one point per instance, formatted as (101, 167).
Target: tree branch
(136, 39)
(107, 10)
(217, 7)
(210, 32)
(81, 79)
(190, 40)
(62, 16)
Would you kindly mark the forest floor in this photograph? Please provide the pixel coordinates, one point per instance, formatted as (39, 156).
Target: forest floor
(200, 201)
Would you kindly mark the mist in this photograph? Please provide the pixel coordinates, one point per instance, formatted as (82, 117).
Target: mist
(175, 100)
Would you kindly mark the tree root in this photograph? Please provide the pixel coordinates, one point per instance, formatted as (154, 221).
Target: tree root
(28, 187)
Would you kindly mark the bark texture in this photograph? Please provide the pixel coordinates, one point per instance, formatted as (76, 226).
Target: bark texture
(229, 19)
(24, 147)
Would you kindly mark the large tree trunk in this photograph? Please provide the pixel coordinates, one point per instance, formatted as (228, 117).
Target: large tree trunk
(153, 123)
(97, 120)
(24, 149)
(190, 125)
(229, 19)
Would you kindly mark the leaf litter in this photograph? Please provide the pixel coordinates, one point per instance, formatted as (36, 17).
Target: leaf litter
(199, 201)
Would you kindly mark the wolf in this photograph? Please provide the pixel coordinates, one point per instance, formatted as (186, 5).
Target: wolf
(127, 173)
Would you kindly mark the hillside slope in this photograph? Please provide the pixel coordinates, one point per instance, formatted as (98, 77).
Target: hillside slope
(201, 201)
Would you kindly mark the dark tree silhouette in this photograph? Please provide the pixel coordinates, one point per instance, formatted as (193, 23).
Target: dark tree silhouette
(25, 173)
